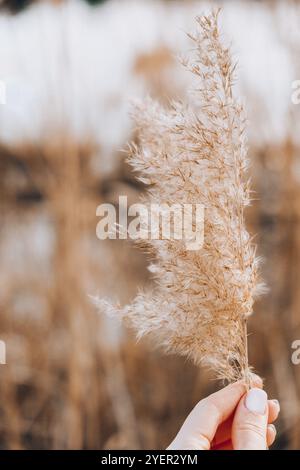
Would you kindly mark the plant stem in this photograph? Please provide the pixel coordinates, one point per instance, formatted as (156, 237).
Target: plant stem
(246, 364)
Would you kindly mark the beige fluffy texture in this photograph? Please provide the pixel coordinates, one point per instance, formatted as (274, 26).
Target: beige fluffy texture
(196, 153)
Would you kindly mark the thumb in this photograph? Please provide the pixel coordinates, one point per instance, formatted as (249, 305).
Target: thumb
(249, 428)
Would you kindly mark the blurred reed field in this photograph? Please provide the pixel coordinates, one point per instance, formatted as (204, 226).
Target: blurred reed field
(74, 379)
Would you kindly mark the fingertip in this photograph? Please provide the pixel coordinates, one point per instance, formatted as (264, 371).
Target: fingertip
(239, 387)
(256, 381)
(271, 434)
(274, 410)
(249, 426)
(256, 401)
(276, 404)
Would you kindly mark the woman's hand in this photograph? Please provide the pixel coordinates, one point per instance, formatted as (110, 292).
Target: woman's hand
(230, 419)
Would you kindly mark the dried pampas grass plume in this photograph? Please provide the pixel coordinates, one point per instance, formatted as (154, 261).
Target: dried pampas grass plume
(196, 153)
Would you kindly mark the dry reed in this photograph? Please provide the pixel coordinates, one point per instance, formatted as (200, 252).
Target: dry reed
(196, 153)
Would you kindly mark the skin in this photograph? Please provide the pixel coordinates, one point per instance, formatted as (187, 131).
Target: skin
(222, 422)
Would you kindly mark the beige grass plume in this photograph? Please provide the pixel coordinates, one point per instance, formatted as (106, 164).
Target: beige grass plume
(196, 153)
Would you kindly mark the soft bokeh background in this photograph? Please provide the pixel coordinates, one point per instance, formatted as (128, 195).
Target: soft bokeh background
(74, 379)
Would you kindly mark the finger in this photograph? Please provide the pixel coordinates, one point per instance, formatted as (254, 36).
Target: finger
(226, 445)
(224, 431)
(271, 434)
(256, 381)
(274, 409)
(200, 427)
(249, 427)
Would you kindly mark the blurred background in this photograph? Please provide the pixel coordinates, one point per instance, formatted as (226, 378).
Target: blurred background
(74, 379)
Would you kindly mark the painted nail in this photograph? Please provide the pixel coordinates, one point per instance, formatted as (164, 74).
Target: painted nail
(256, 401)
(271, 426)
(276, 403)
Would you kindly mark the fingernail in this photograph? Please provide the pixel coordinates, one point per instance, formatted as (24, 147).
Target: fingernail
(276, 402)
(271, 426)
(256, 401)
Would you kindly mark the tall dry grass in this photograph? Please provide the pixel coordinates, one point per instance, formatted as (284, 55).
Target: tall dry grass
(195, 153)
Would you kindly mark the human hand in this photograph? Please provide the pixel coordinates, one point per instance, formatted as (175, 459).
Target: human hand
(230, 419)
